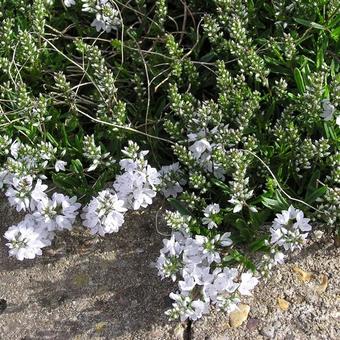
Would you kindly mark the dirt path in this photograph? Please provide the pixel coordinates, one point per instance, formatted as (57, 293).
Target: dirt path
(89, 288)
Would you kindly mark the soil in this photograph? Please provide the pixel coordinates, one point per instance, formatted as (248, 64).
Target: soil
(87, 287)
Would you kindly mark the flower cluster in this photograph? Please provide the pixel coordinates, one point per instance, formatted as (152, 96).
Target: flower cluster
(104, 214)
(198, 263)
(133, 189)
(106, 16)
(137, 185)
(27, 193)
(203, 280)
(94, 153)
(290, 229)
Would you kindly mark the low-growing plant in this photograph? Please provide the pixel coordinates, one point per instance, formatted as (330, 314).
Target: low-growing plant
(236, 100)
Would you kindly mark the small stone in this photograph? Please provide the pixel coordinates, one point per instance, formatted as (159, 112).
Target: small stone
(268, 332)
(283, 304)
(237, 317)
(303, 275)
(252, 323)
(318, 234)
(100, 326)
(324, 284)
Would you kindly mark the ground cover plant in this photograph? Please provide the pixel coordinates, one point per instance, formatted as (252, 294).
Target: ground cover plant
(229, 109)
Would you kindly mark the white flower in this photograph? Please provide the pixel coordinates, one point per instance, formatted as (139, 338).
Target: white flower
(301, 222)
(227, 304)
(210, 210)
(328, 109)
(59, 165)
(223, 282)
(22, 195)
(287, 227)
(225, 240)
(104, 214)
(279, 258)
(137, 185)
(168, 266)
(199, 147)
(171, 247)
(57, 213)
(69, 3)
(209, 248)
(238, 205)
(285, 217)
(185, 308)
(276, 234)
(142, 197)
(107, 18)
(187, 284)
(171, 180)
(248, 282)
(338, 120)
(24, 241)
(15, 147)
(200, 308)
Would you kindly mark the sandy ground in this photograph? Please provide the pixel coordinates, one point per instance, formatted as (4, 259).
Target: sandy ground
(85, 287)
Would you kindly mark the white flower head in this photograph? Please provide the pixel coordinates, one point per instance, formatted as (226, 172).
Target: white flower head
(209, 212)
(60, 165)
(23, 241)
(171, 180)
(57, 213)
(136, 186)
(23, 195)
(199, 147)
(104, 214)
(248, 283)
(69, 3)
(290, 229)
(328, 109)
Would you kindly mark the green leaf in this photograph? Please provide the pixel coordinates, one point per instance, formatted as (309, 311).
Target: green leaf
(221, 185)
(299, 80)
(52, 139)
(77, 166)
(178, 206)
(277, 204)
(319, 192)
(258, 244)
(335, 34)
(309, 23)
(64, 181)
(235, 255)
(259, 218)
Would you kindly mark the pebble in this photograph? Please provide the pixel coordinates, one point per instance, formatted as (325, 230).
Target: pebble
(268, 332)
(252, 323)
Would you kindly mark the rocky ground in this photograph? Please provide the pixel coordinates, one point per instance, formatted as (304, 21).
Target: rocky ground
(90, 288)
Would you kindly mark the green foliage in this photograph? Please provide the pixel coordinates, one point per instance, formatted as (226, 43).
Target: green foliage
(252, 74)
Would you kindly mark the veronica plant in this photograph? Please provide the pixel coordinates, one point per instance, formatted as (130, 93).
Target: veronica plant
(234, 104)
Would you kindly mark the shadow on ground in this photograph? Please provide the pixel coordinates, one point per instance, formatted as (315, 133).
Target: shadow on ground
(84, 286)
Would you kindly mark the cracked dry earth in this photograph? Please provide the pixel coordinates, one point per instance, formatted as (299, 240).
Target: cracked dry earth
(85, 287)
